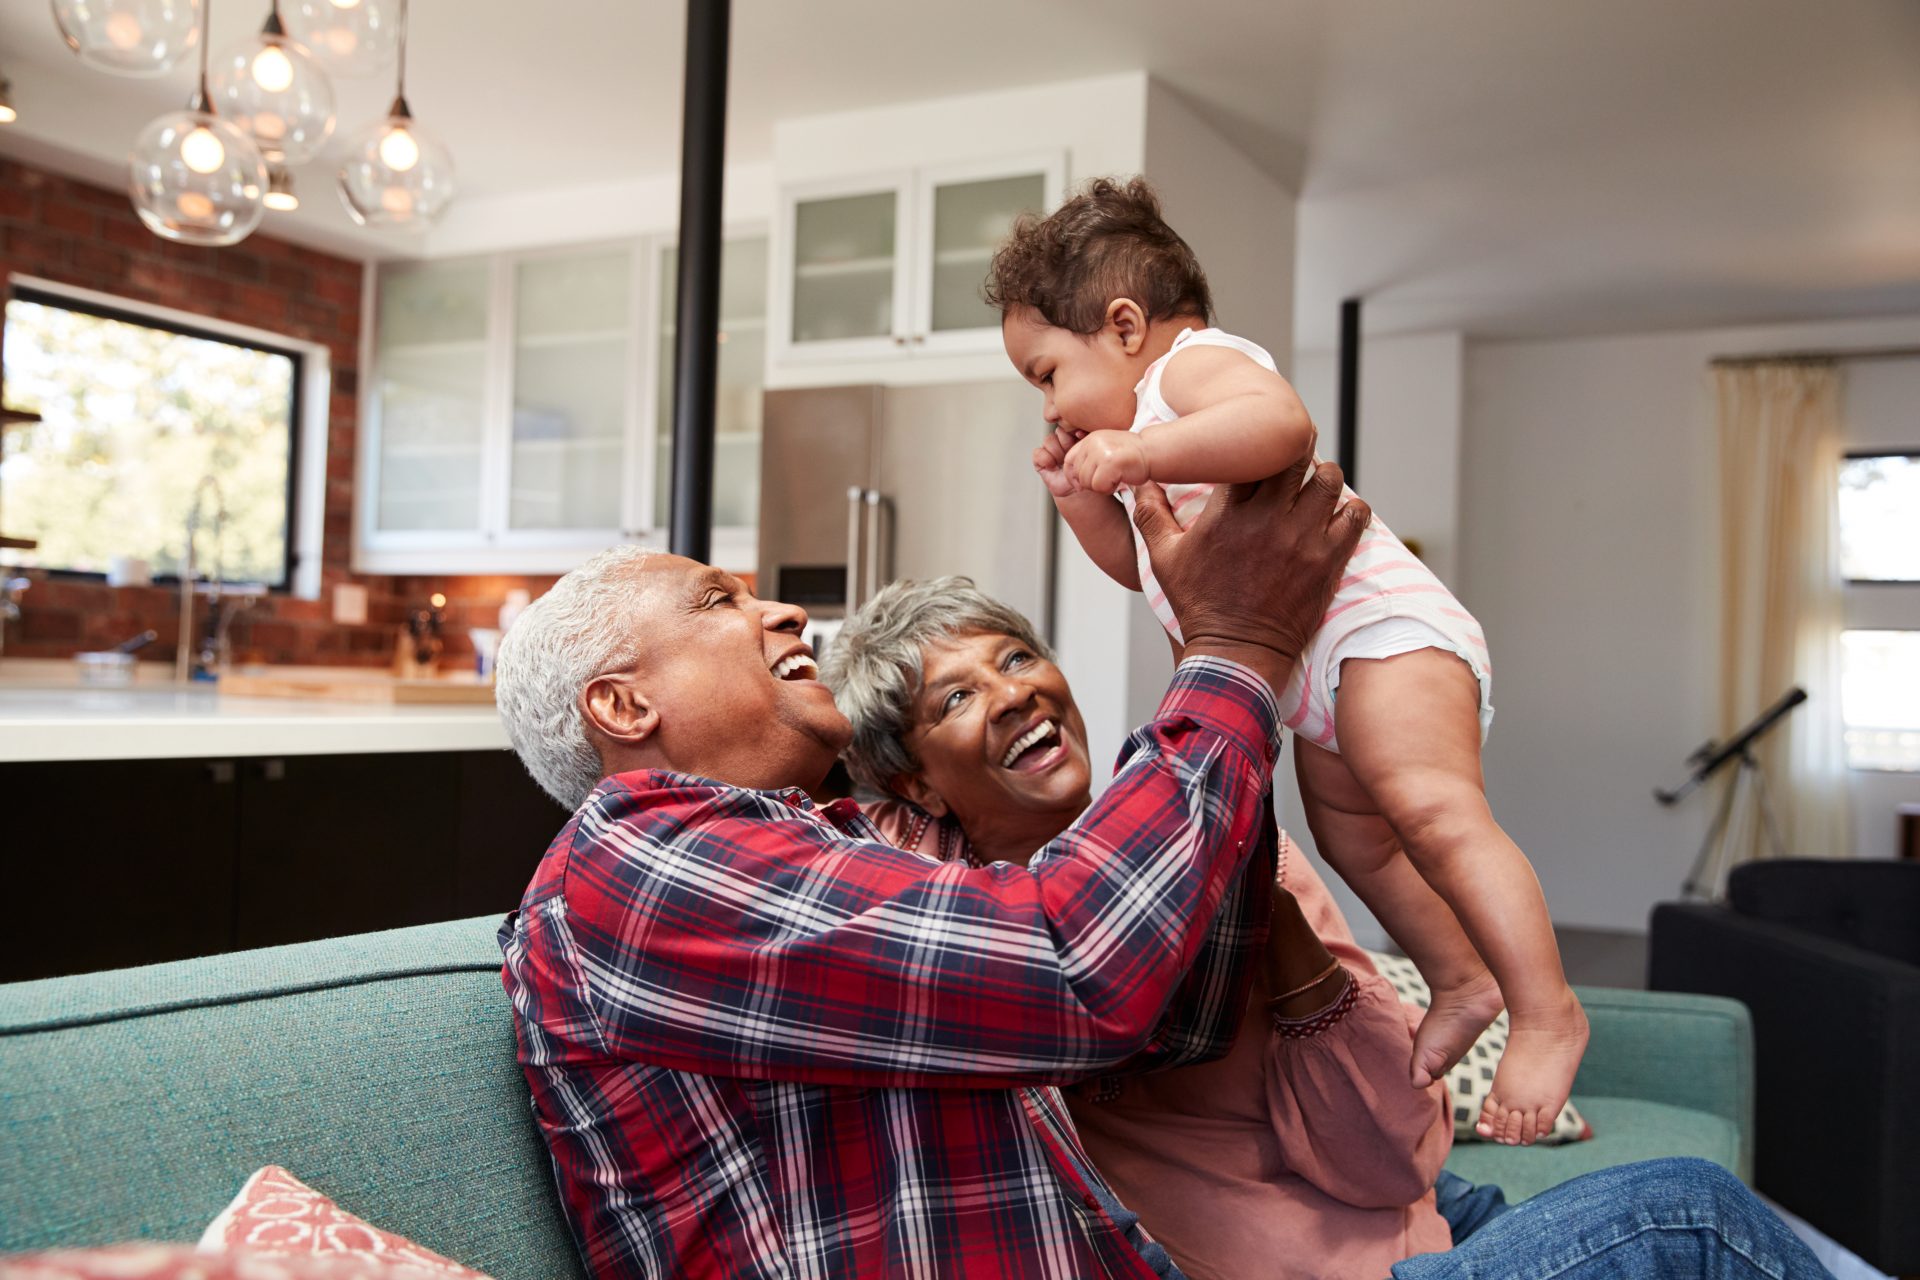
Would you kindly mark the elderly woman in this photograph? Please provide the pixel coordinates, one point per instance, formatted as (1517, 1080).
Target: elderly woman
(1303, 1152)
(1304, 1142)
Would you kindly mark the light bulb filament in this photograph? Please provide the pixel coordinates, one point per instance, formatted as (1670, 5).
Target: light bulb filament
(202, 152)
(273, 70)
(398, 150)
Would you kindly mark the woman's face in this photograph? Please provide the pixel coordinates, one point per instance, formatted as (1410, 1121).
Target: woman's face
(1000, 743)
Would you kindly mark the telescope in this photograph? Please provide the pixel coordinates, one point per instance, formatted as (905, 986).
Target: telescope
(1708, 759)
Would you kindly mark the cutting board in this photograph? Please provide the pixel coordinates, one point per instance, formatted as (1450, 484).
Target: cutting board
(350, 684)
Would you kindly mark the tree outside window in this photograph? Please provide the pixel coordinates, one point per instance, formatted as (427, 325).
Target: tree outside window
(134, 414)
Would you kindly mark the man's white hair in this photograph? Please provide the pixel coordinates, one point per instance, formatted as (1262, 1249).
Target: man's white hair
(581, 628)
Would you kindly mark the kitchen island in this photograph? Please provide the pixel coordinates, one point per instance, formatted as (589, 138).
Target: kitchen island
(46, 714)
(158, 822)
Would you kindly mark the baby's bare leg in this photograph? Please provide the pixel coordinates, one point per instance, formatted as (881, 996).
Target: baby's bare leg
(1409, 730)
(1358, 843)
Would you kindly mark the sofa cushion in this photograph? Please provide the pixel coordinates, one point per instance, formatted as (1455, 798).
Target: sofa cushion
(1870, 904)
(178, 1262)
(1624, 1129)
(381, 1066)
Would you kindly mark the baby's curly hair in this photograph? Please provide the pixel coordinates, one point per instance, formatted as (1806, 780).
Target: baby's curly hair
(1107, 242)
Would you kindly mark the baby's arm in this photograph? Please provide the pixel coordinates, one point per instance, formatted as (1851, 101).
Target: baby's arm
(1098, 520)
(1239, 422)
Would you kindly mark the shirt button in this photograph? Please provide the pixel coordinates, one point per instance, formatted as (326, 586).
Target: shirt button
(1093, 1201)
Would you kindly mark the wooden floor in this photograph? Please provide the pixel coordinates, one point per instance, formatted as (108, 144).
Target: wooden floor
(1603, 957)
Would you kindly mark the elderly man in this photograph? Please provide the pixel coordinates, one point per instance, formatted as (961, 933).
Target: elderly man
(762, 1041)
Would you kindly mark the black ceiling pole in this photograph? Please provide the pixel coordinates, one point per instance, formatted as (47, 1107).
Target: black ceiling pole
(696, 348)
(1350, 390)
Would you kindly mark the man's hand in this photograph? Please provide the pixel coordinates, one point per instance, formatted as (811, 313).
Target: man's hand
(1105, 460)
(1252, 577)
(1049, 460)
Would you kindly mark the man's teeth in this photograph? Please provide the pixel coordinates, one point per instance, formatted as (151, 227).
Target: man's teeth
(796, 662)
(1025, 740)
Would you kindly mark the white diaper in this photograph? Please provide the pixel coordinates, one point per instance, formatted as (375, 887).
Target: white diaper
(1391, 637)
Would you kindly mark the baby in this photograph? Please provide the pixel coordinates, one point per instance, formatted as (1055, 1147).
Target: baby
(1106, 310)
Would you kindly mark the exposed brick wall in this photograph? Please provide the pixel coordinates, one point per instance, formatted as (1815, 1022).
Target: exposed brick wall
(74, 233)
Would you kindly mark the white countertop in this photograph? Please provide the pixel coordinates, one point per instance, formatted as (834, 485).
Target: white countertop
(46, 715)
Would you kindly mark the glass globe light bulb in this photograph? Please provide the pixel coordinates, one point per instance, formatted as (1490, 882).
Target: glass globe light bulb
(273, 70)
(292, 122)
(399, 150)
(201, 152)
(197, 179)
(129, 37)
(358, 38)
(380, 190)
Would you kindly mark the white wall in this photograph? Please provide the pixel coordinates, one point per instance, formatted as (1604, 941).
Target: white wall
(1411, 404)
(1589, 553)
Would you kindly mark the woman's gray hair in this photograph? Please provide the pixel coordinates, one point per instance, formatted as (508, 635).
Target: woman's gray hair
(581, 628)
(874, 665)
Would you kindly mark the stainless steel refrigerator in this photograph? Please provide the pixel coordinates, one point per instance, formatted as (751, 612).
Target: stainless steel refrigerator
(862, 485)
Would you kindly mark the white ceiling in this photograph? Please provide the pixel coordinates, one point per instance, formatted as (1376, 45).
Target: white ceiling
(1507, 167)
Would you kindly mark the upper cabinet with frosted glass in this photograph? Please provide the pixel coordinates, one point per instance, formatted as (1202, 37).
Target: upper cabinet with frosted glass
(517, 416)
(890, 266)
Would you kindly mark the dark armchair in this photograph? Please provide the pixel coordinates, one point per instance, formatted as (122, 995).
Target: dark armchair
(1826, 955)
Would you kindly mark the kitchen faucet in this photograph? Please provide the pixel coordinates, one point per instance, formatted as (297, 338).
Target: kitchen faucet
(192, 660)
(10, 589)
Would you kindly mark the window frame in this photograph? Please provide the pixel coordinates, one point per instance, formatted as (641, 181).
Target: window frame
(307, 418)
(1851, 455)
(1879, 604)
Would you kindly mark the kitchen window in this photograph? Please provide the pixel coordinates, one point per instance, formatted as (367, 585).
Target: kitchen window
(1880, 650)
(136, 410)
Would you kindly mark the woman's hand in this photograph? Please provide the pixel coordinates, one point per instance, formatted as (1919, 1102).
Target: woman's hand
(1251, 578)
(1302, 977)
(1049, 460)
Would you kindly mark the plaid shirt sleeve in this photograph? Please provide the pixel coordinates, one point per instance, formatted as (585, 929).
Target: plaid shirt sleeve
(746, 938)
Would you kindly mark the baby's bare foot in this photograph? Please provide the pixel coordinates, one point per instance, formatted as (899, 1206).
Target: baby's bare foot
(1455, 1019)
(1530, 1087)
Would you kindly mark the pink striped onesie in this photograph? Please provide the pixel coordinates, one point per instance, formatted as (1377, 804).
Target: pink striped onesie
(1388, 603)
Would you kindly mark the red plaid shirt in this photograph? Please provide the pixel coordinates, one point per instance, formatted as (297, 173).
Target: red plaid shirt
(763, 1042)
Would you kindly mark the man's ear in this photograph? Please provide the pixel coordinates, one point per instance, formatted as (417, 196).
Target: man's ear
(1128, 324)
(913, 787)
(617, 709)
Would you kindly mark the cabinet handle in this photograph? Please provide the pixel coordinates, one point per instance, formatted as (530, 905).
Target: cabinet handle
(220, 772)
(899, 340)
(273, 770)
(920, 337)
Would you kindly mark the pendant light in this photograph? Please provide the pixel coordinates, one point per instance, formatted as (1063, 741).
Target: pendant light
(280, 196)
(129, 37)
(397, 174)
(194, 177)
(7, 114)
(354, 38)
(271, 87)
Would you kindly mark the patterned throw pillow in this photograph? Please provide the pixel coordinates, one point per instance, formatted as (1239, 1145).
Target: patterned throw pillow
(276, 1213)
(1469, 1083)
(179, 1262)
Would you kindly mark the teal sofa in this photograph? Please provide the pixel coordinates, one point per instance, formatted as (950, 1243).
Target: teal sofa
(380, 1069)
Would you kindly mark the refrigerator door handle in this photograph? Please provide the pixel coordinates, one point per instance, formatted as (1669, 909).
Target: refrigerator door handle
(876, 574)
(855, 496)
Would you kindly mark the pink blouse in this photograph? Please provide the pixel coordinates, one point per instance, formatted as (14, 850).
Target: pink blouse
(1303, 1153)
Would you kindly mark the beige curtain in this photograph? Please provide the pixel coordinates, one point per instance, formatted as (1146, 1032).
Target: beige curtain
(1780, 448)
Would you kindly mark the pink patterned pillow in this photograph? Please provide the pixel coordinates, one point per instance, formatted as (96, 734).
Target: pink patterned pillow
(276, 1213)
(178, 1262)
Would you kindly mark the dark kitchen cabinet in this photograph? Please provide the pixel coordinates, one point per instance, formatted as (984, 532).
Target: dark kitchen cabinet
(114, 863)
(131, 862)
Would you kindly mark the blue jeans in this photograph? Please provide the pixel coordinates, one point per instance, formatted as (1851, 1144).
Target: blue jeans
(1650, 1221)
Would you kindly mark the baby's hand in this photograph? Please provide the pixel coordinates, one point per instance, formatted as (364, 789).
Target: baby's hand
(1049, 460)
(1105, 460)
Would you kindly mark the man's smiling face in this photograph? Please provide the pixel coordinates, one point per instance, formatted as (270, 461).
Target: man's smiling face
(736, 691)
